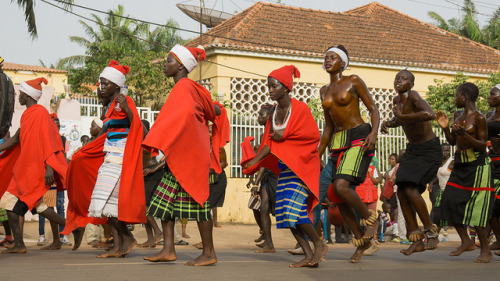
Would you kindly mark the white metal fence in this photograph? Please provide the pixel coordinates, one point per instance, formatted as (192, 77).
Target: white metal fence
(247, 95)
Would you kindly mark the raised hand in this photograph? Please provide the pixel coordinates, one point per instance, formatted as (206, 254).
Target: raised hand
(442, 119)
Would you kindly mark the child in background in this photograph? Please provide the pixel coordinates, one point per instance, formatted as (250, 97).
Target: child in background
(387, 226)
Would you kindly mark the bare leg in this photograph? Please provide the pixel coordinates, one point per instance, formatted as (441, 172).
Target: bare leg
(214, 213)
(167, 253)
(207, 256)
(298, 233)
(320, 248)
(15, 227)
(467, 244)
(410, 217)
(495, 226)
(52, 216)
(128, 241)
(485, 256)
(154, 233)
(256, 215)
(56, 244)
(351, 221)
(267, 245)
(114, 252)
(184, 227)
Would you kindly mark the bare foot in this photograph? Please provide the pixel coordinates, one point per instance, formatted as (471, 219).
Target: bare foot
(496, 253)
(432, 243)
(319, 253)
(415, 247)
(162, 256)
(147, 244)
(202, 260)
(495, 246)
(359, 252)
(464, 247)
(261, 238)
(110, 254)
(303, 263)
(78, 236)
(266, 249)
(261, 245)
(127, 247)
(216, 225)
(53, 246)
(185, 235)
(484, 258)
(198, 245)
(16, 250)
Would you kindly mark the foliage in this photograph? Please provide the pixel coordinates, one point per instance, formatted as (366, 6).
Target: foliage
(29, 13)
(441, 96)
(316, 108)
(131, 43)
(467, 25)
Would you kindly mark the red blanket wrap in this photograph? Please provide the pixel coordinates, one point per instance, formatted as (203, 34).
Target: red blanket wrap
(39, 145)
(220, 137)
(181, 133)
(298, 149)
(82, 176)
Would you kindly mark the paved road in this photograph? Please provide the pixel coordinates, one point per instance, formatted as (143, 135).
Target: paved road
(238, 262)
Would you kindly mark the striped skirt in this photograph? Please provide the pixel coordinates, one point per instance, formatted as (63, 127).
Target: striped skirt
(291, 199)
(469, 194)
(171, 201)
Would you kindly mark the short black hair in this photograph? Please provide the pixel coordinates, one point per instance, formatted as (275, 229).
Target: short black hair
(445, 144)
(84, 136)
(339, 47)
(470, 90)
(412, 77)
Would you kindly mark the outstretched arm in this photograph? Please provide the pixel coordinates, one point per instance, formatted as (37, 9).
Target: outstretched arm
(10, 142)
(261, 155)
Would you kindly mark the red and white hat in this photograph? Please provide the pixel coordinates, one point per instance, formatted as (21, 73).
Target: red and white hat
(189, 57)
(33, 88)
(115, 72)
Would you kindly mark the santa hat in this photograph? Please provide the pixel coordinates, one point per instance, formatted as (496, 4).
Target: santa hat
(189, 57)
(115, 72)
(98, 122)
(285, 75)
(33, 88)
(247, 150)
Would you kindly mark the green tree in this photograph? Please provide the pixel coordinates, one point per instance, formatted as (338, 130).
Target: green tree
(29, 13)
(467, 25)
(441, 96)
(131, 43)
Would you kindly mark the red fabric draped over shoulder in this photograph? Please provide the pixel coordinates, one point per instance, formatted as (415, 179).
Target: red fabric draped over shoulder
(220, 137)
(181, 133)
(298, 149)
(82, 176)
(40, 145)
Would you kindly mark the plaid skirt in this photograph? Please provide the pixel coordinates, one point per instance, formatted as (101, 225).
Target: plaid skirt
(291, 199)
(171, 201)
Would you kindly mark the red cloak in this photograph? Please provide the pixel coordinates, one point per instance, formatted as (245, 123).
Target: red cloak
(181, 133)
(39, 145)
(220, 137)
(82, 176)
(298, 149)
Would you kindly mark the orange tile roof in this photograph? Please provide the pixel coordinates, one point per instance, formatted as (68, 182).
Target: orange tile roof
(34, 68)
(372, 33)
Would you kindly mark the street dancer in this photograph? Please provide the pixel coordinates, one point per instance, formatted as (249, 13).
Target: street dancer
(352, 144)
(469, 194)
(419, 165)
(181, 133)
(289, 148)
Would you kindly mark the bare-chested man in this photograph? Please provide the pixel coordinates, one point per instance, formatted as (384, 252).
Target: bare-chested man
(352, 145)
(420, 162)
